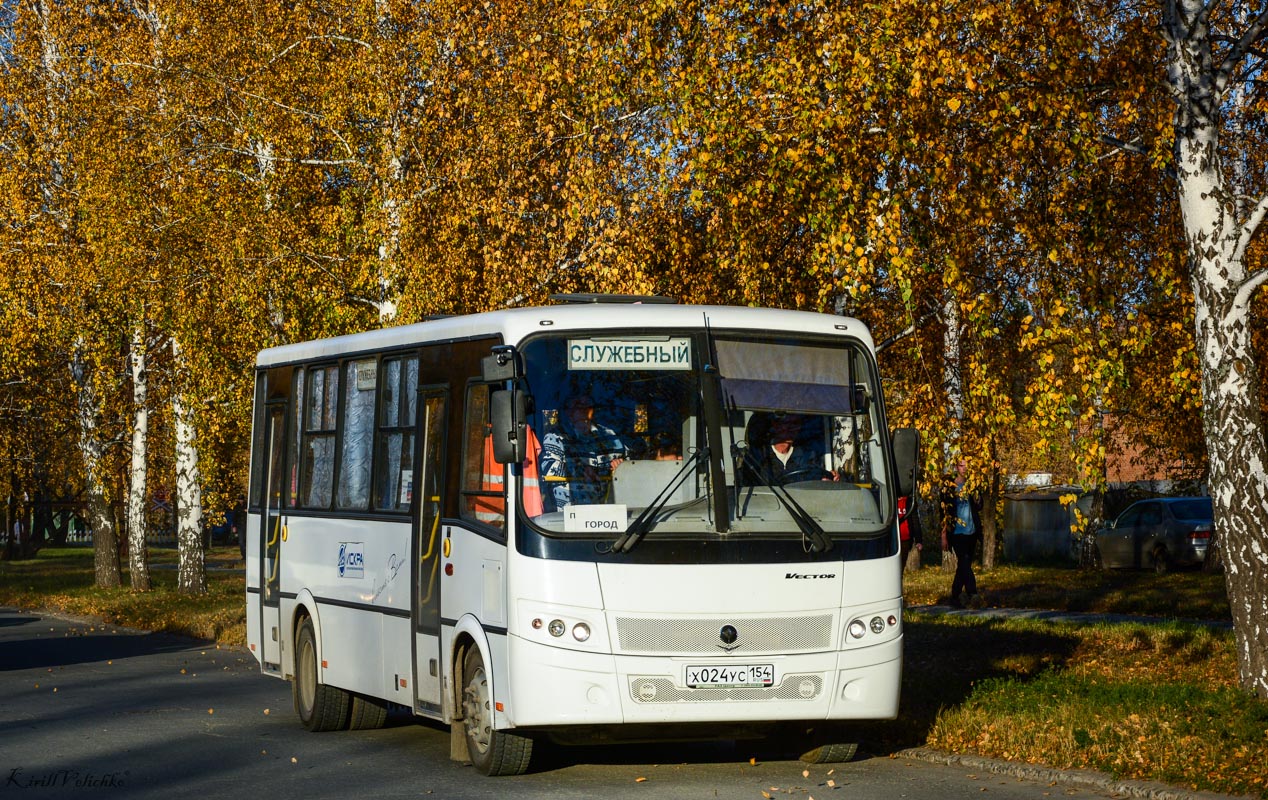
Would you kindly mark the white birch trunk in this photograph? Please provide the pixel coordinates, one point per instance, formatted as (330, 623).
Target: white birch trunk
(88, 407)
(191, 570)
(1217, 239)
(138, 558)
(390, 246)
(953, 385)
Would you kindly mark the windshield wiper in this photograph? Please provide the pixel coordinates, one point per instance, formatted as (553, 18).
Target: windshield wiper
(810, 529)
(644, 522)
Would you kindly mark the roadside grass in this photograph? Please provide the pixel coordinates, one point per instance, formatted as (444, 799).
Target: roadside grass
(1158, 702)
(61, 579)
(1139, 701)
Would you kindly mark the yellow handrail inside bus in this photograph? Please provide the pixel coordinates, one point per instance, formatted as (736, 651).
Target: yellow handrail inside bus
(431, 548)
(435, 525)
(272, 545)
(431, 583)
(277, 529)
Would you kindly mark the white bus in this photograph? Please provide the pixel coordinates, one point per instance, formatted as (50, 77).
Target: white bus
(584, 522)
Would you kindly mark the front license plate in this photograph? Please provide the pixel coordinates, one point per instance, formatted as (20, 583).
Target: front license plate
(731, 675)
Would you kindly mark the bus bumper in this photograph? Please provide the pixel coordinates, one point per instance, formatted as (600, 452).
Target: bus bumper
(553, 686)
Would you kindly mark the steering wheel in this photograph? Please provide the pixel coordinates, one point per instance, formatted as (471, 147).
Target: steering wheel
(806, 474)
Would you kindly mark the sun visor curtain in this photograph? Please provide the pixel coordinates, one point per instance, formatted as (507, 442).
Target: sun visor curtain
(771, 376)
(807, 398)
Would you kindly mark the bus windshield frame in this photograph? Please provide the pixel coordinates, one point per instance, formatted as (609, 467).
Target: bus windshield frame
(630, 433)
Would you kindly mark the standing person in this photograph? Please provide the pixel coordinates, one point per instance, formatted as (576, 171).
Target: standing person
(909, 533)
(238, 521)
(578, 456)
(961, 528)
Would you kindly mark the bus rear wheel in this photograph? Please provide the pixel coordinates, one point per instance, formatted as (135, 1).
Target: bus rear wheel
(492, 752)
(320, 707)
(366, 713)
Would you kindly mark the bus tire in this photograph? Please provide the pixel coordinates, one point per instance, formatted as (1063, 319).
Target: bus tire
(366, 713)
(320, 707)
(491, 751)
(836, 753)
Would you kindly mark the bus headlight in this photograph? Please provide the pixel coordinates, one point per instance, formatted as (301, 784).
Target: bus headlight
(555, 626)
(882, 625)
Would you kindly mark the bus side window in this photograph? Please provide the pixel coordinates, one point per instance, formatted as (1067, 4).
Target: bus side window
(294, 445)
(483, 498)
(357, 434)
(317, 478)
(394, 453)
(257, 446)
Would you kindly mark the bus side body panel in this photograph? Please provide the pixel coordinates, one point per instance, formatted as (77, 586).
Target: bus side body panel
(473, 590)
(254, 641)
(355, 574)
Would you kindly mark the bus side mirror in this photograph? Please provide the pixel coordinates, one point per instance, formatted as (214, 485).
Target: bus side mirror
(906, 443)
(508, 415)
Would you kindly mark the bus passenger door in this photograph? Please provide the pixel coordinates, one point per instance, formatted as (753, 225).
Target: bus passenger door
(271, 528)
(427, 556)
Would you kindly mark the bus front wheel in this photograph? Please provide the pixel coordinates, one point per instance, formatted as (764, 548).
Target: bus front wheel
(835, 753)
(320, 707)
(492, 752)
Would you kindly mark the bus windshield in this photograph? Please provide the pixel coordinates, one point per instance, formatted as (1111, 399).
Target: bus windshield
(627, 428)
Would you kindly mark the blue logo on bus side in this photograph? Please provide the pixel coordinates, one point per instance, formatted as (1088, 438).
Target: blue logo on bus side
(351, 560)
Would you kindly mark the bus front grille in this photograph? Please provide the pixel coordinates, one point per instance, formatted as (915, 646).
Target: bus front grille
(752, 636)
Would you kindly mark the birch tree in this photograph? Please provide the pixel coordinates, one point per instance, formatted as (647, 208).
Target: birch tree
(51, 83)
(1214, 63)
(92, 449)
(191, 577)
(138, 561)
(168, 255)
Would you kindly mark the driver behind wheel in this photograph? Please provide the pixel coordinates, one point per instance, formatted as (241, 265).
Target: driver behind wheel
(787, 452)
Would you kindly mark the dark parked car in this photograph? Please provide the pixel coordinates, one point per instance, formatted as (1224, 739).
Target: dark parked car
(1161, 533)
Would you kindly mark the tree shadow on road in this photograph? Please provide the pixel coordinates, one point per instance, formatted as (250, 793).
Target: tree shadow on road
(39, 646)
(945, 658)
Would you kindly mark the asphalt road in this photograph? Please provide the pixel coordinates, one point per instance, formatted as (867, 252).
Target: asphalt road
(93, 711)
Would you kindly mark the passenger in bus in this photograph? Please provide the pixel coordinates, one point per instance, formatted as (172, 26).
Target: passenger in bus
(578, 456)
(665, 447)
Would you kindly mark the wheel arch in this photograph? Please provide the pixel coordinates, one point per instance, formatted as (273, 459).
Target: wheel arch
(468, 634)
(305, 608)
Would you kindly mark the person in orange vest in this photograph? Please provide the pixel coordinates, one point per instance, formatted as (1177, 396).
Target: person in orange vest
(491, 508)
